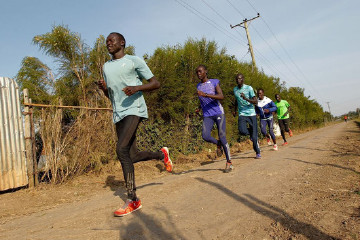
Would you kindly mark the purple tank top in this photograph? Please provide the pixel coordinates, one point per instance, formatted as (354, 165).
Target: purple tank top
(209, 106)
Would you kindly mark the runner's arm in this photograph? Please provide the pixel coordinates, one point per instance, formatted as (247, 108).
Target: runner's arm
(252, 100)
(218, 96)
(151, 85)
(287, 112)
(235, 108)
(102, 85)
(272, 107)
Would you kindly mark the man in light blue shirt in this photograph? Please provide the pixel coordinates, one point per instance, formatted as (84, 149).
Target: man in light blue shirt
(245, 100)
(123, 86)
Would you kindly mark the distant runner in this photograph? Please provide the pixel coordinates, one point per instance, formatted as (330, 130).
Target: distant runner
(123, 86)
(210, 93)
(283, 108)
(265, 108)
(244, 104)
(345, 118)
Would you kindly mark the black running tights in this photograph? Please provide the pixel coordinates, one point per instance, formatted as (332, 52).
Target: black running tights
(127, 152)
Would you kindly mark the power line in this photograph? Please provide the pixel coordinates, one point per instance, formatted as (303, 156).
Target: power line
(215, 25)
(286, 52)
(264, 40)
(237, 10)
(276, 71)
(208, 20)
(221, 16)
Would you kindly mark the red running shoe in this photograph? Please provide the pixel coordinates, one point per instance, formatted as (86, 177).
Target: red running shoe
(167, 161)
(129, 207)
(285, 144)
(268, 141)
(290, 133)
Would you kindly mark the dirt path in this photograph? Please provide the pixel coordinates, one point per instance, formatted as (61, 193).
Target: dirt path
(307, 190)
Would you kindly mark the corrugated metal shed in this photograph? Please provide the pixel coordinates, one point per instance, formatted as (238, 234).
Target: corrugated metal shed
(13, 172)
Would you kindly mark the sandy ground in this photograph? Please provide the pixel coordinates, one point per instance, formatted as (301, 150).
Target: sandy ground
(307, 190)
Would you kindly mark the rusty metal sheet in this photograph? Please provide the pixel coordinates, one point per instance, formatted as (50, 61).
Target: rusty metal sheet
(13, 172)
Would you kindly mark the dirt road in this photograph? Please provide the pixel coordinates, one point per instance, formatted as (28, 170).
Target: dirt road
(306, 190)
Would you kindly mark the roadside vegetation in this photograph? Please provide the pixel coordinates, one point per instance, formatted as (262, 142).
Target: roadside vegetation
(79, 141)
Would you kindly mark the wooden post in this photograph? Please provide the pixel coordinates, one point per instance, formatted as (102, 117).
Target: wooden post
(33, 146)
(28, 140)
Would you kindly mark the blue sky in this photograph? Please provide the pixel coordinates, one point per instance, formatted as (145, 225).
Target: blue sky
(309, 44)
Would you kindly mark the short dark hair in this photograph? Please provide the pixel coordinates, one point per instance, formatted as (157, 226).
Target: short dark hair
(203, 66)
(239, 74)
(119, 36)
(260, 89)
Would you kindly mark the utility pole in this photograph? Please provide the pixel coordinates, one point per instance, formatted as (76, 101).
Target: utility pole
(328, 103)
(248, 37)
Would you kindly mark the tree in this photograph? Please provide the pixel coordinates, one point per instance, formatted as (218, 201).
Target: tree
(38, 78)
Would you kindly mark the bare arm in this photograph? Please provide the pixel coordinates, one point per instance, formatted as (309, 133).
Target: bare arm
(102, 85)
(218, 96)
(235, 108)
(252, 100)
(151, 85)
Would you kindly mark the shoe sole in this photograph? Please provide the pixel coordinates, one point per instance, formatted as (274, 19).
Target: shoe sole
(128, 212)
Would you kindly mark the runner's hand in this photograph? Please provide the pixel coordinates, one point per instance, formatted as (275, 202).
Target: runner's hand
(130, 90)
(101, 84)
(266, 111)
(201, 94)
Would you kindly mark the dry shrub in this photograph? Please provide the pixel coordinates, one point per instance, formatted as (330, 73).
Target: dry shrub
(81, 146)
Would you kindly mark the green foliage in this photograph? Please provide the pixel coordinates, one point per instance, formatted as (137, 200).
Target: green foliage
(38, 78)
(172, 120)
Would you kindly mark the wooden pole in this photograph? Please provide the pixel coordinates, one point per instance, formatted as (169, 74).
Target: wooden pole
(28, 141)
(33, 145)
(248, 37)
(60, 106)
(250, 45)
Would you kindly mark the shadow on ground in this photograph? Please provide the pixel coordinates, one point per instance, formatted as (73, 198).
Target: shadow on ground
(327, 164)
(275, 213)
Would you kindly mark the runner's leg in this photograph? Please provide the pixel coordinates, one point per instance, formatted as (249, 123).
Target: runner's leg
(270, 123)
(126, 133)
(282, 128)
(263, 123)
(139, 156)
(208, 124)
(254, 133)
(243, 130)
(286, 124)
(221, 126)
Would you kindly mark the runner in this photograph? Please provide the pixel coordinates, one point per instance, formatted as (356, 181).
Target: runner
(265, 108)
(122, 85)
(345, 118)
(283, 108)
(245, 101)
(210, 93)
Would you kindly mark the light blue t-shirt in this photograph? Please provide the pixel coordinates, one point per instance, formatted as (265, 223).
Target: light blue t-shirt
(244, 107)
(120, 73)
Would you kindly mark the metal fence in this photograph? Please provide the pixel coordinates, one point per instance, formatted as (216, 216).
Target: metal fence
(13, 170)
